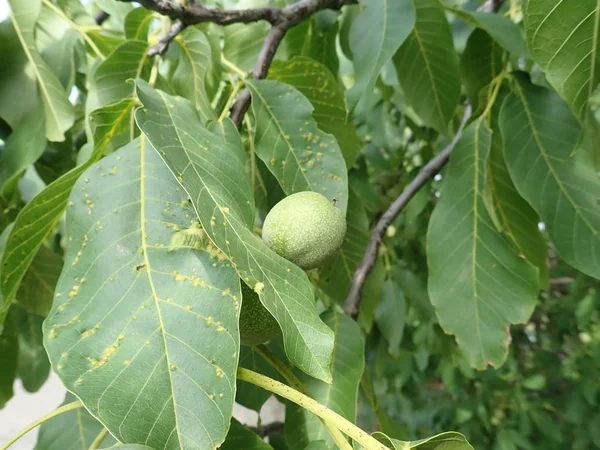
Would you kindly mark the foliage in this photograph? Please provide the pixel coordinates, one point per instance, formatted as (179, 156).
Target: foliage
(140, 153)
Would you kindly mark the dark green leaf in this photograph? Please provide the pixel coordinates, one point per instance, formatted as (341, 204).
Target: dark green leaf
(477, 284)
(247, 394)
(391, 315)
(240, 437)
(541, 137)
(36, 291)
(33, 365)
(243, 43)
(9, 351)
(427, 67)
(301, 156)
(213, 176)
(307, 40)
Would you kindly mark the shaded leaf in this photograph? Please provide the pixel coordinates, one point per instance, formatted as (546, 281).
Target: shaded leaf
(242, 43)
(240, 437)
(427, 67)
(297, 153)
(33, 366)
(375, 36)
(58, 111)
(114, 125)
(73, 430)
(477, 284)
(391, 314)
(341, 396)
(9, 352)
(540, 138)
(309, 41)
(36, 291)
(137, 24)
(565, 42)
(444, 441)
(247, 394)
(139, 320)
(211, 173)
(320, 87)
(371, 296)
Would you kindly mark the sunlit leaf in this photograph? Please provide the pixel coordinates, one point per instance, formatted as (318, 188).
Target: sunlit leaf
(214, 177)
(299, 155)
(477, 284)
(541, 137)
(140, 318)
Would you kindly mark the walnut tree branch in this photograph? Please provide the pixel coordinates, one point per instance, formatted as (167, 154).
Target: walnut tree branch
(351, 306)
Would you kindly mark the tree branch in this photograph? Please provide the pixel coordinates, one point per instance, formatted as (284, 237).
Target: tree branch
(490, 6)
(163, 43)
(351, 306)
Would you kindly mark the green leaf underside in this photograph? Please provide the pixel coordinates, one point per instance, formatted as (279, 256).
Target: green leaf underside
(73, 430)
(38, 218)
(427, 67)
(302, 427)
(213, 175)
(195, 61)
(539, 149)
(477, 284)
(298, 154)
(443, 441)
(144, 332)
(320, 87)
(565, 42)
(58, 111)
(240, 437)
(375, 35)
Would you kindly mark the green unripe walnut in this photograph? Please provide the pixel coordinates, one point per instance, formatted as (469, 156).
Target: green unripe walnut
(305, 228)
(257, 325)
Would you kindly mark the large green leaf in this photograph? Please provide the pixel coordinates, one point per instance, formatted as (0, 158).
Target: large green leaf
(33, 366)
(375, 35)
(540, 138)
(444, 441)
(477, 284)
(140, 318)
(287, 139)
(137, 24)
(565, 42)
(58, 111)
(427, 67)
(341, 396)
(9, 351)
(189, 80)
(320, 87)
(73, 430)
(213, 175)
(240, 437)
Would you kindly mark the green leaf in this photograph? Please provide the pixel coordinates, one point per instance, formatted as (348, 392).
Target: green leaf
(287, 139)
(247, 394)
(307, 40)
(59, 112)
(137, 24)
(371, 296)
(444, 441)
(114, 125)
(36, 291)
(33, 365)
(565, 42)
(242, 43)
(375, 35)
(130, 447)
(18, 91)
(391, 315)
(73, 430)
(302, 427)
(535, 382)
(9, 351)
(320, 87)
(212, 174)
(477, 284)
(480, 63)
(240, 437)
(540, 138)
(189, 79)
(138, 319)
(427, 67)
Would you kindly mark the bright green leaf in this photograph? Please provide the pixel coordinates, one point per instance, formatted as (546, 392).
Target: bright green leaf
(477, 284)
(427, 67)
(59, 112)
(565, 42)
(320, 87)
(287, 139)
(540, 138)
(137, 24)
(138, 319)
(212, 174)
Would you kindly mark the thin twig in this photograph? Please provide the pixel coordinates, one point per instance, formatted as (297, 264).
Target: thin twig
(166, 39)
(351, 306)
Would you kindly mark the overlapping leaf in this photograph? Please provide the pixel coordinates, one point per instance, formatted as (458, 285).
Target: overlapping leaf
(58, 111)
(242, 43)
(297, 153)
(308, 40)
(320, 87)
(427, 67)
(9, 351)
(137, 24)
(213, 175)
(143, 330)
(477, 284)
(33, 364)
(540, 138)
(341, 396)
(375, 36)
(189, 80)
(443, 441)
(247, 394)
(36, 292)
(240, 437)
(565, 42)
